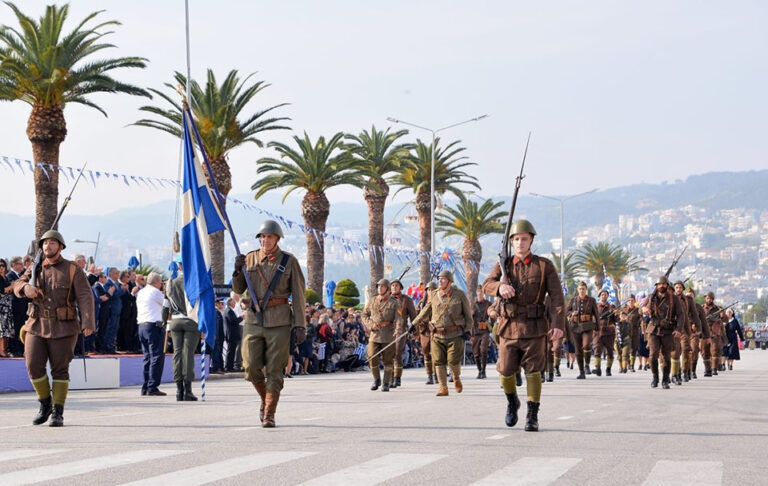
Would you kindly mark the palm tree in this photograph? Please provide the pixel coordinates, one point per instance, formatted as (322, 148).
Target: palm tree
(591, 259)
(47, 69)
(217, 112)
(471, 222)
(315, 168)
(416, 176)
(571, 270)
(377, 154)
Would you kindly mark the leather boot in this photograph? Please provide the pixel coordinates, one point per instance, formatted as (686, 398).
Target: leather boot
(714, 371)
(557, 371)
(484, 362)
(457, 385)
(655, 381)
(57, 419)
(693, 375)
(430, 380)
(608, 371)
(179, 391)
(376, 384)
(44, 412)
(269, 409)
(532, 418)
(442, 380)
(397, 382)
(597, 371)
(513, 404)
(261, 389)
(519, 379)
(188, 396)
(479, 368)
(388, 378)
(550, 376)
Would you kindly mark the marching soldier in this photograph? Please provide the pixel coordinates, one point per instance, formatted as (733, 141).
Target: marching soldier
(633, 316)
(184, 335)
(623, 340)
(667, 318)
(424, 338)
(522, 324)
(555, 351)
(481, 333)
(267, 337)
(61, 295)
(450, 320)
(692, 328)
(716, 331)
(379, 317)
(700, 341)
(405, 312)
(606, 333)
(582, 314)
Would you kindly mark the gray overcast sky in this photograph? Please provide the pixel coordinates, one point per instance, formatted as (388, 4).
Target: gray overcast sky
(615, 92)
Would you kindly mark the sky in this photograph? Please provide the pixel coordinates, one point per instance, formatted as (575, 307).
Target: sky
(615, 93)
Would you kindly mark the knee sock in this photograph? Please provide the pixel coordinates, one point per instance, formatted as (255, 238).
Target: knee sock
(533, 386)
(42, 387)
(60, 389)
(508, 383)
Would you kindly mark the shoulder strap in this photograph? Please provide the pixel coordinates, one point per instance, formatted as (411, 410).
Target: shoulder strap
(275, 278)
(72, 268)
(542, 265)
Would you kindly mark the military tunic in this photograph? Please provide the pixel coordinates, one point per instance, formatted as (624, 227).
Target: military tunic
(480, 330)
(582, 315)
(692, 328)
(449, 316)
(633, 316)
(716, 330)
(405, 311)
(266, 344)
(184, 330)
(606, 333)
(379, 318)
(667, 315)
(624, 334)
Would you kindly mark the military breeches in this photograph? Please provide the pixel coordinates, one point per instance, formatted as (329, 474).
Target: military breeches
(677, 348)
(266, 348)
(399, 350)
(583, 344)
(604, 343)
(59, 352)
(388, 356)
(716, 347)
(623, 354)
(528, 354)
(480, 342)
(447, 351)
(636, 339)
(661, 345)
(556, 348)
(185, 338)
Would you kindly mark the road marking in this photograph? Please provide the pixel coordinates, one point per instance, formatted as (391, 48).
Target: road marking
(498, 436)
(565, 417)
(310, 418)
(376, 470)
(67, 469)
(589, 411)
(13, 454)
(221, 470)
(530, 471)
(681, 473)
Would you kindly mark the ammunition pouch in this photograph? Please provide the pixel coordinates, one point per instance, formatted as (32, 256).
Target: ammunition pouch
(509, 309)
(535, 311)
(65, 313)
(586, 318)
(588, 326)
(667, 325)
(482, 326)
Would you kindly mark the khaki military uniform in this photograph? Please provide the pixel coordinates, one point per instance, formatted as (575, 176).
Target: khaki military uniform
(667, 316)
(449, 316)
(266, 347)
(605, 338)
(379, 317)
(700, 343)
(405, 311)
(583, 317)
(717, 332)
(52, 324)
(425, 341)
(692, 328)
(185, 334)
(624, 334)
(634, 318)
(523, 324)
(481, 334)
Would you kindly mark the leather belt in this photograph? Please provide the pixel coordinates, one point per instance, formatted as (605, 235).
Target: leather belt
(275, 301)
(384, 324)
(444, 330)
(46, 313)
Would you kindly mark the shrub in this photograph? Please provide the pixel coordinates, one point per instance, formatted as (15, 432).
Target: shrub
(346, 294)
(312, 296)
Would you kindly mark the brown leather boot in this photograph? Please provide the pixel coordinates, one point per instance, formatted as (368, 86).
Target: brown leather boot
(261, 389)
(442, 380)
(456, 371)
(269, 409)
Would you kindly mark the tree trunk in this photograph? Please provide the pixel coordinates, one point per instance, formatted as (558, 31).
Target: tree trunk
(425, 234)
(216, 240)
(46, 129)
(315, 209)
(376, 201)
(472, 254)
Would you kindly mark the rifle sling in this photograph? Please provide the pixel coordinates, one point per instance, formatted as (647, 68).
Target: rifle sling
(275, 278)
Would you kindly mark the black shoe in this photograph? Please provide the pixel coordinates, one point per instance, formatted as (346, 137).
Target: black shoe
(730, 367)
(513, 404)
(482, 373)
(44, 412)
(581, 376)
(665, 385)
(479, 375)
(655, 382)
(608, 372)
(376, 384)
(686, 376)
(557, 371)
(179, 391)
(632, 369)
(57, 419)
(587, 370)
(397, 382)
(143, 392)
(706, 373)
(157, 393)
(450, 378)
(532, 419)
(430, 381)
(597, 372)
(551, 376)
(188, 396)
(677, 381)
(519, 379)
(714, 371)
(385, 387)
(693, 375)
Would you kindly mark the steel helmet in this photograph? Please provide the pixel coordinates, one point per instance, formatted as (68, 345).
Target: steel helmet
(270, 226)
(522, 226)
(662, 280)
(446, 274)
(383, 281)
(51, 234)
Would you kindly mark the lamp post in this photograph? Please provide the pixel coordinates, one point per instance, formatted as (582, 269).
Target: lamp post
(562, 200)
(432, 169)
(96, 250)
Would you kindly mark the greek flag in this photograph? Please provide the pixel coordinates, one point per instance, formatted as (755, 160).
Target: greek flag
(200, 217)
(360, 351)
(608, 285)
(321, 351)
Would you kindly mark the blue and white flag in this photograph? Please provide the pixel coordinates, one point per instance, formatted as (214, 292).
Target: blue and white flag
(608, 285)
(360, 351)
(200, 217)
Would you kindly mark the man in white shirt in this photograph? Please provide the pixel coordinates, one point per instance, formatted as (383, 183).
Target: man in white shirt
(149, 307)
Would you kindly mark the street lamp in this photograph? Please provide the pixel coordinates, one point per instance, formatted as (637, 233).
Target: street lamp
(432, 169)
(561, 200)
(96, 250)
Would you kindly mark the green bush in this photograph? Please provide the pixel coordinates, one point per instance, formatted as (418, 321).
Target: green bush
(346, 294)
(312, 296)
